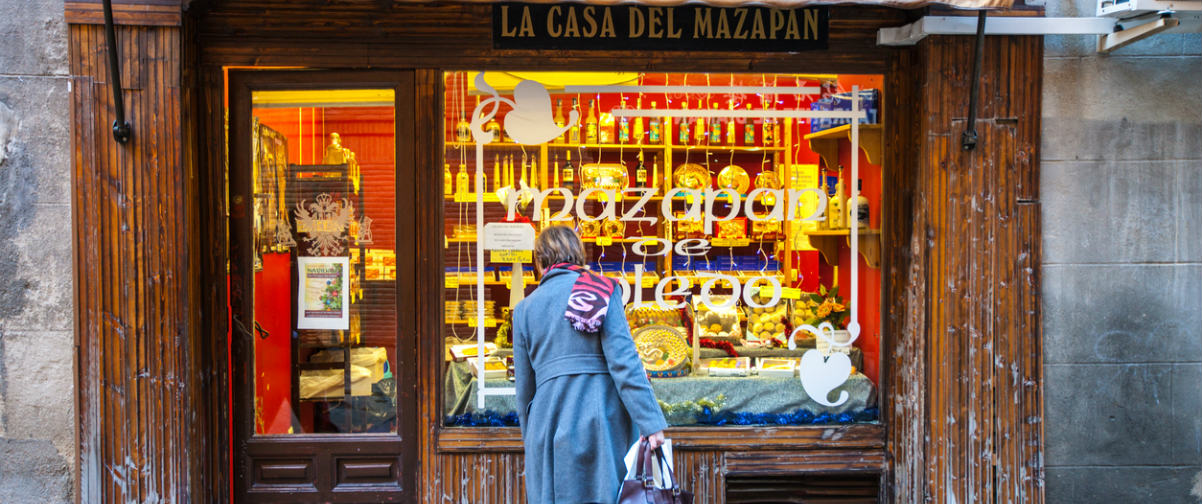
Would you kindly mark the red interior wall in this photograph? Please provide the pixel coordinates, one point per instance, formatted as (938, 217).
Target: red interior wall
(273, 354)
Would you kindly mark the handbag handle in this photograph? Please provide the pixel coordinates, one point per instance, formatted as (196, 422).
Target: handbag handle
(659, 456)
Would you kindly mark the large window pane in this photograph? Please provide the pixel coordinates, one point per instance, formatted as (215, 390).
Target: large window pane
(325, 280)
(749, 146)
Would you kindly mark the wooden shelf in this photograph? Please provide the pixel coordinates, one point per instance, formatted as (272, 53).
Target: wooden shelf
(472, 145)
(727, 148)
(826, 143)
(828, 241)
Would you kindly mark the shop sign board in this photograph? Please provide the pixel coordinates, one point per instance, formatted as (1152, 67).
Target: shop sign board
(653, 28)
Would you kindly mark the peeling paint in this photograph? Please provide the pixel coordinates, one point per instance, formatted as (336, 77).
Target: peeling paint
(9, 124)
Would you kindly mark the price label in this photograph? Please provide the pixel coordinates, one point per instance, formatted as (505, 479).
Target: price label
(451, 281)
(511, 256)
(790, 293)
(465, 198)
(767, 290)
(488, 323)
(648, 282)
(605, 241)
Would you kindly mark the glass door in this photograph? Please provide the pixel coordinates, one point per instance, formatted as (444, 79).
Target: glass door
(323, 398)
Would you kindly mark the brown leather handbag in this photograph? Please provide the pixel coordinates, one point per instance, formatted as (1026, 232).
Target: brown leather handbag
(642, 489)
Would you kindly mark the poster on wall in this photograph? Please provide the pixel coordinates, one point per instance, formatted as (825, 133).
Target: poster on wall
(322, 301)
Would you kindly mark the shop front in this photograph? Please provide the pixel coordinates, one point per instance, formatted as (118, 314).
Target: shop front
(335, 206)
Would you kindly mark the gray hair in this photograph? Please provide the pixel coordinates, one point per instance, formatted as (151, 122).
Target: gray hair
(558, 244)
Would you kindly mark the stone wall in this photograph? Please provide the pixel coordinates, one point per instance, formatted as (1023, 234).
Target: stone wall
(36, 358)
(1122, 205)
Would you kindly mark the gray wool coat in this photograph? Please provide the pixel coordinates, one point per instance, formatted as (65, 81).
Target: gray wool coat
(582, 399)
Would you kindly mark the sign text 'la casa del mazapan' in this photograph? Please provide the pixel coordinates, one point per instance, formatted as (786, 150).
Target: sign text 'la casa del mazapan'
(637, 27)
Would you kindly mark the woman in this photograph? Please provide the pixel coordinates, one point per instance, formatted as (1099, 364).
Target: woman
(583, 396)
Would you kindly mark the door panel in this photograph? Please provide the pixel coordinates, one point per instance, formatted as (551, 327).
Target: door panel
(322, 359)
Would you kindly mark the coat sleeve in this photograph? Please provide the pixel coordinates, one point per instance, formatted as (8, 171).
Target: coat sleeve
(627, 370)
(523, 372)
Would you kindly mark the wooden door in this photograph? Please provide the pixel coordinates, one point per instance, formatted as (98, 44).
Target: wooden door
(323, 398)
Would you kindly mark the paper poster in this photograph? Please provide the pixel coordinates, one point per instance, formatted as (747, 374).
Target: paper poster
(322, 301)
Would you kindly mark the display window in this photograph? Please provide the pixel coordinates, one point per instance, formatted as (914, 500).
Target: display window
(325, 265)
(739, 212)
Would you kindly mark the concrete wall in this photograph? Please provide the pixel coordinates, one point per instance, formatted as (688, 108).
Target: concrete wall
(36, 358)
(1122, 207)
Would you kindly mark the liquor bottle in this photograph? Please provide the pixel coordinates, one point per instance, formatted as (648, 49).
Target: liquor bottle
(834, 213)
(496, 173)
(574, 131)
(776, 136)
(555, 171)
(825, 188)
(526, 171)
(749, 130)
(559, 120)
(509, 173)
(606, 133)
(700, 128)
(640, 173)
(537, 178)
(731, 140)
(590, 124)
(623, 126)
(655, 172)
(685, 131)
(448, 181)
(859, 212)
(655, 136)
(483, 185)
(569, 174)
(766, 138)
(461, 180)
(493, 126)
(463, 130)
(715, 128)
(638, 131)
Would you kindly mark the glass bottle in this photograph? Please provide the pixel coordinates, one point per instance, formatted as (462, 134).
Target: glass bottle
(590, 124)
(685, 132)
(606, 134)
(638, 131)
(448, 180)
(463, 130)
(730, 127)
(623, 126)
(766, 138)
(655, 172)
(492, 126)
(640, 173)
(483, 185)
(574, 131)
(569, 174)
(825, 188)
(700, 130)
(496, 173)
(715, 128)
(749, 130)
(834, 212)
(559, 120)
(461, 180)
(655, 135)
(555, 172)
(859, 212)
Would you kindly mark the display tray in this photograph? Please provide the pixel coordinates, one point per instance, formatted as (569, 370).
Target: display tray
(742, 395)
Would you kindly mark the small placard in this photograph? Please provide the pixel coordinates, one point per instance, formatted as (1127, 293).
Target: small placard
(451, 281)
(790, 293)
(511, 256)
(649, 282)
(730, 242)
(605, 241)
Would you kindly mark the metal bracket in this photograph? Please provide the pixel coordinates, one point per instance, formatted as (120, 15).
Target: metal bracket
(121, 129)
(1122, 37)
(965, 25)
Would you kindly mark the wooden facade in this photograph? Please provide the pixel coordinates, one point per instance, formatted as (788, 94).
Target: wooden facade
(962, 372)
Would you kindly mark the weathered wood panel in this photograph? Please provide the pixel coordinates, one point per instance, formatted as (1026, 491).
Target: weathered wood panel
(136, 377)
(966, 402)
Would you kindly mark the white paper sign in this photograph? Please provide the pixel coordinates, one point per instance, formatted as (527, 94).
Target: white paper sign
(508, 236)
(321, 297)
